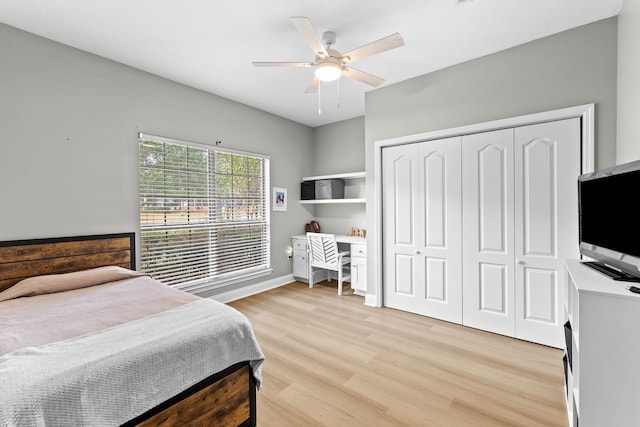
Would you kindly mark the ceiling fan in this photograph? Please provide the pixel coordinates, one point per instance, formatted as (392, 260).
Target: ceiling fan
(331, 64)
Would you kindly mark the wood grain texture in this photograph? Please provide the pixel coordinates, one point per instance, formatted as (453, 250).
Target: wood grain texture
(223, 403)
(331, 361)
(27, 258)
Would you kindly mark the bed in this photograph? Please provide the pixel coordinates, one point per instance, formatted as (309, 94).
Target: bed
(86, 340)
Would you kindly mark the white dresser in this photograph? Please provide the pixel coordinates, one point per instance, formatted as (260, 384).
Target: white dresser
(602, 349)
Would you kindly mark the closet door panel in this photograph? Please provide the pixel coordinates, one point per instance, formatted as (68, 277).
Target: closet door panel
(488, 270)
(405, 275)
(546, 230)
(540, 296)
(434, 238)
(493, 165)
(402, 228)
(404, 186)
(537, 201)
(440, 245)
(436, 280)
(493, 289)
(435, 182)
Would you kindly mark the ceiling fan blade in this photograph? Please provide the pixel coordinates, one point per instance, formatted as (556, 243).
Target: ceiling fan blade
(283, 64)
(305, 28)
(313, 86)
(386, 43)
(363, 77)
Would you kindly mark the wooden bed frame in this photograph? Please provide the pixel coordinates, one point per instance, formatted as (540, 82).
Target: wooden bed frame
(226, 398)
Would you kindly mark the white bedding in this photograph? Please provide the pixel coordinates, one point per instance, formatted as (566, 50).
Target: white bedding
(107, 377)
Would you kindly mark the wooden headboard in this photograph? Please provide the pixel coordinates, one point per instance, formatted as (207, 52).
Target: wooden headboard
(20, 259)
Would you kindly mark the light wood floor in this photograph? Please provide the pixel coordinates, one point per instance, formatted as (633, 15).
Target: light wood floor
(331, 361)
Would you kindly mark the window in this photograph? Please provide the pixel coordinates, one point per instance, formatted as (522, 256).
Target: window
(204, 215)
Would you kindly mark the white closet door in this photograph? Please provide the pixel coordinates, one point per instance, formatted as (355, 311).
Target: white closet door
(423, 240)
(547, 156)
(488, 224)
(400, 215)
(440, 241)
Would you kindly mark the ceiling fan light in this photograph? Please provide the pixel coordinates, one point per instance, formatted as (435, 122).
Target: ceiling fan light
(328, 71)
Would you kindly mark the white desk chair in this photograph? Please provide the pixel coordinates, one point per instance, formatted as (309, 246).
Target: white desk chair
(323, 254)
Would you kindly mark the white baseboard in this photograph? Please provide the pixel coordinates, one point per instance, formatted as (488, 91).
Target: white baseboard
(370, 300)
(256, 288)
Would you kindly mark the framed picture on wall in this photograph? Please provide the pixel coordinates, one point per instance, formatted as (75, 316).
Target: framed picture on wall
(279, 200)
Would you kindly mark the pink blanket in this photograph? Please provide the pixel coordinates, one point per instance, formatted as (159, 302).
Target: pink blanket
(45, 318)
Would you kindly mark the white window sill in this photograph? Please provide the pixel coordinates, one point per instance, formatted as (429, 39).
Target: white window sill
(209, 285)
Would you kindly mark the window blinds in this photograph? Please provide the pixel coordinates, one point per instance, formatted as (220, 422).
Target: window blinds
(204, 214)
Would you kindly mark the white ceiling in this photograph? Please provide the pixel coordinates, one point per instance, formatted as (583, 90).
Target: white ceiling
(210, 44)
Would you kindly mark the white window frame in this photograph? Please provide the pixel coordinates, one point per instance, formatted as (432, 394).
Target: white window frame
(212, 280)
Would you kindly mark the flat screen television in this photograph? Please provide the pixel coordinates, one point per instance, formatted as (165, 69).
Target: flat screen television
(609, 224)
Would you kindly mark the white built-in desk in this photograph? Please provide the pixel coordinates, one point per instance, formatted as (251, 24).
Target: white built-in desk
(357, 247)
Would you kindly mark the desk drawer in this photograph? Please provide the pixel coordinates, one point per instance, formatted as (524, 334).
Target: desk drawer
(359, 250)
(299, 244)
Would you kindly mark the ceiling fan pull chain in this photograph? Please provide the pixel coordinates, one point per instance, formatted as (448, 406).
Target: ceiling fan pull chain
(338, 93)
(319, 99)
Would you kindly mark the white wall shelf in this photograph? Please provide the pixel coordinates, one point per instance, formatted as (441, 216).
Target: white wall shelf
(350, 175)
(357, 186)
(331, 201)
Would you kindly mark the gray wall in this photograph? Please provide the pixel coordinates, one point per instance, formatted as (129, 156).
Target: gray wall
(567, 69)
(68, 141)
(628, 144)
(339, 148)
(563, 70)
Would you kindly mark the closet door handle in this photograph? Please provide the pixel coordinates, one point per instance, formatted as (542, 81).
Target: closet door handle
(519, 262)
(417, 252)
